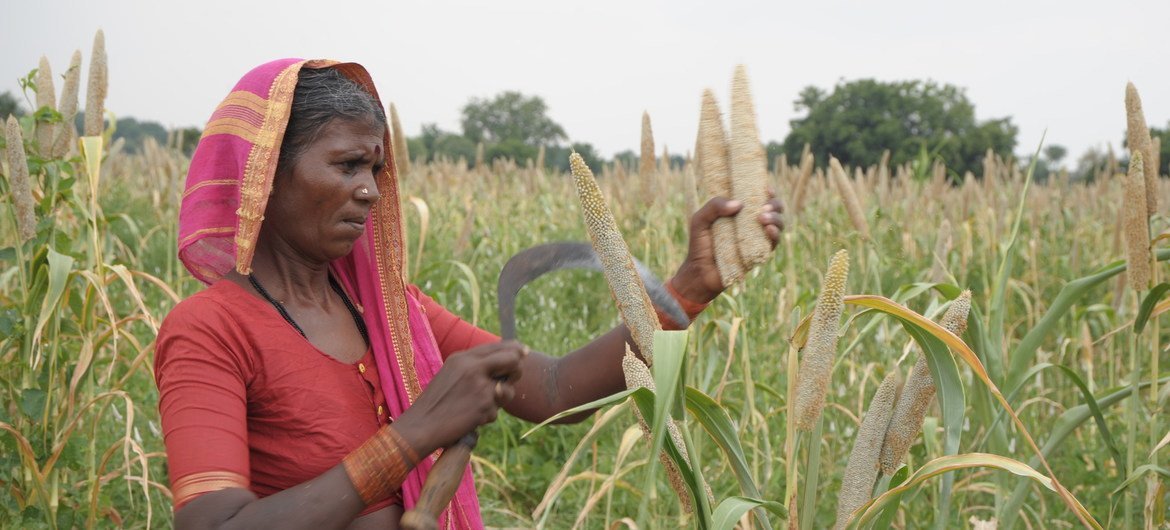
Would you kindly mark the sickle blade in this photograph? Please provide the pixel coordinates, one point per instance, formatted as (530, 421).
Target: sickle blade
(530, 264)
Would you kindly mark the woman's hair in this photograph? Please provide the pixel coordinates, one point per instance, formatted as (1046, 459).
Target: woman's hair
(322, 95)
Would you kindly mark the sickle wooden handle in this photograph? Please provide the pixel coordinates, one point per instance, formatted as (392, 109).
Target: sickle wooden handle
(440, 486)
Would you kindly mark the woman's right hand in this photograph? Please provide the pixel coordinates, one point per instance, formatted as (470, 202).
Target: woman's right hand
(467, 392)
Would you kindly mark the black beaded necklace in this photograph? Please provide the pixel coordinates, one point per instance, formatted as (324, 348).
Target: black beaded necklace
(353, 312)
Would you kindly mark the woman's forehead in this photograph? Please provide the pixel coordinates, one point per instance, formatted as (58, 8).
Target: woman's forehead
(345, 133)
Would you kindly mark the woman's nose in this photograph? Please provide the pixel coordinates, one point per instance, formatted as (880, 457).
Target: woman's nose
(369, 189)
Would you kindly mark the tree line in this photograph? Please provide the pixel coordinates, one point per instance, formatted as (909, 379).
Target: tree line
(856, 121)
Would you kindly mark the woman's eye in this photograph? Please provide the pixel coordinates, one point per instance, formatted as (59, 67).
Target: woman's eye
(351, 165)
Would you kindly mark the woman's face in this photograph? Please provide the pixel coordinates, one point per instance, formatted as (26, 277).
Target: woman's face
(319, 205)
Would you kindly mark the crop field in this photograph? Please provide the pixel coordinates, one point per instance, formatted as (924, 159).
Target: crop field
(1049, 395)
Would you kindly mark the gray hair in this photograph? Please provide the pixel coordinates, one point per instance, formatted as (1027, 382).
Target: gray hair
(323, 95)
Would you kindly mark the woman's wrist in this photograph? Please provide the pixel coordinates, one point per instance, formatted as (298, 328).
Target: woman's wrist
(690, 303)
(379, 466)
(695, 284)
(689, 306)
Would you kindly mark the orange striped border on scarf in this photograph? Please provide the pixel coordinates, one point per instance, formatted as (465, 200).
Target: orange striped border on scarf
(240, 114)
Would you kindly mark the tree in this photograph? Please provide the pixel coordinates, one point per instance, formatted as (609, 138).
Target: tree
(628, 158)
(188, 139)
(862, 118)
(510, 116)
(136, 132)
(10, 105)
(435, 143)
(557, 157)
(1055, 153)
(515, 150)
(1048, 164)
(773, 150)
(1092, 162)
(453, 147)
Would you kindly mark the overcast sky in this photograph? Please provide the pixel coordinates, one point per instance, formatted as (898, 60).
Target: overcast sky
(1055, 65)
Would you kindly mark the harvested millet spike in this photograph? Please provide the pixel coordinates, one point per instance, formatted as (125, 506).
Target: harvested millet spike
(1138, 139)
(46, 97)
(749, 174)
(19, 181)
(401, 151)
(624, 282)
(1137, 225)
(816, 365)
(862, 469)
(849, 197)
(637, 376)
(66, 131)
(647, 162)
(95, 92)
(918, 392)
(715, 174)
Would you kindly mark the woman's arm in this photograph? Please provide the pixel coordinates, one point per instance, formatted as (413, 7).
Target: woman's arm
(328, 501)
(551, 385)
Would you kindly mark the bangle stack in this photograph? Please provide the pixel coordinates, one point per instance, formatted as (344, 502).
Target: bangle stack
(378, 468)
(690, 307)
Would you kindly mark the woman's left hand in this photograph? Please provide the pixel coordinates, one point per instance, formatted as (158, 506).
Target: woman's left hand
(698, 277)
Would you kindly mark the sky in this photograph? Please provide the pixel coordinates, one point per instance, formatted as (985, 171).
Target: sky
(1055, 66)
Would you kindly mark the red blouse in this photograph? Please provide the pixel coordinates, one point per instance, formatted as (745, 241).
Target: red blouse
(247, 402)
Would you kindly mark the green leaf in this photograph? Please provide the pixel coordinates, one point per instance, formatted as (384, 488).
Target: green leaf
(32, 403)
(60, 266)
(8, 321)
(1065, 425)
(1148, 304)
(592, 405)
(951, 399)
(886, 517)
(644, 399)
(1025, 352)
(1095, 409)
(731, 510)
(670, 350)
(1138, 473)
(715, 420)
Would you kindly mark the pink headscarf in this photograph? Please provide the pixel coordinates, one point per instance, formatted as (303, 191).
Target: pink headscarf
(223, 205)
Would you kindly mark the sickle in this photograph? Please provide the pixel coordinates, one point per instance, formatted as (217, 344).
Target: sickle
(520, 270)
(530, 264)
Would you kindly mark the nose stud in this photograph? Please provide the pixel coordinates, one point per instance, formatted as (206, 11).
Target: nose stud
(365, 191)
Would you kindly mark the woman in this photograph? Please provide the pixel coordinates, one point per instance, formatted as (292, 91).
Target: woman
(309, 386)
